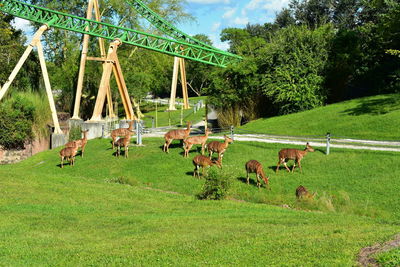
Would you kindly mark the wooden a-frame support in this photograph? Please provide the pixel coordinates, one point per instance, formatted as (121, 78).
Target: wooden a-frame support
(111, 64)
(92, 5)
(36, 42)
(179, 63)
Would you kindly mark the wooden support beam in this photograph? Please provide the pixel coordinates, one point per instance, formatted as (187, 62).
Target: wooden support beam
(184, 84)
(173, 85)
(93, 5)
(82, 65)
(99, 59)
(105, 80)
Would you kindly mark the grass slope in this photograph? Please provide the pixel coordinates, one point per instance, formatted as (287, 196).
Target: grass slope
(374, 117)
(164, 117)
(80, 216)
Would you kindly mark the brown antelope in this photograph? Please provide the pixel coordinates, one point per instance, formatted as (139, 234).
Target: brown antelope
(302, 193)
(69, 153)
(123, 142)
(195, 140)
(253, 166)
(203, 162)
(81, 142)
(219, 147)
(179, 134)
(293, 154)
(122, 132)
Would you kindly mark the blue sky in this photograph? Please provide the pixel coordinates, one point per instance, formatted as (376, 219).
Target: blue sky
(214, 15)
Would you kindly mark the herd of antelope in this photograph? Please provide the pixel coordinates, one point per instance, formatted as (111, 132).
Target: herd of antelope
(252, 166)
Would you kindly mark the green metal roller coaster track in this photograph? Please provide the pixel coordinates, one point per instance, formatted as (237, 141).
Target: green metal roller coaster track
(111, 32)
(162, 25)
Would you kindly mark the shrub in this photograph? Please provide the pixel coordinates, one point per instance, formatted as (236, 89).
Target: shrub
(215, 187)
(75, 133)
(16, 122)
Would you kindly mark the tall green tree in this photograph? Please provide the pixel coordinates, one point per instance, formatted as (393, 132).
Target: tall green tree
(11, 49)
(294, 66)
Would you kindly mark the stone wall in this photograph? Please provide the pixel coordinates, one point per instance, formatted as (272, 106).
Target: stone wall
(31, 148)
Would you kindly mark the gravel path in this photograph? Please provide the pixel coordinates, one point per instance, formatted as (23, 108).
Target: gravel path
(315, 142)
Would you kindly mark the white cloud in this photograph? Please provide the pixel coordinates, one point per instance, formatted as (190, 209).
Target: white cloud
(241, 20)
(215, 26)
(229, 13)
(21, 24)
(209, 1)
(217, 42)
(272, 5)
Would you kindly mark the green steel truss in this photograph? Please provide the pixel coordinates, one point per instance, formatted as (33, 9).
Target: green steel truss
(111, 32)
(162, 25)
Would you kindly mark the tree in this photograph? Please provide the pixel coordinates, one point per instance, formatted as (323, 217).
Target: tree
(294, 66)
(11, 49)
(197, 73)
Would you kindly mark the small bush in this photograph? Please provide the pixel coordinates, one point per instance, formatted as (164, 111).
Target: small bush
(16, 119)
(215, 187)
(75, 133)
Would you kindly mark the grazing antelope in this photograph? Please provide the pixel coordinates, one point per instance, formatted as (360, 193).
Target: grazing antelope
(219, 147)
(195, 140)
(81, 142)
(69, 153)
(123, 142)
(302, 193)
(203, 162)
(180, 134)
(253, 166)
(294, 154)
(121, 132)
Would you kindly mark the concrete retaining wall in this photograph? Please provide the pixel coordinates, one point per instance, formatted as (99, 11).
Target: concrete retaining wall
(14, 156)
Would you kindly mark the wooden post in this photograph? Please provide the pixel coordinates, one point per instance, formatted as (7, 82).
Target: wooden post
(156, 115)
(46, 79)
(36, 42)
(112, 65)
(82, 65)
(92, 5)
(184, 83)
(173, 85)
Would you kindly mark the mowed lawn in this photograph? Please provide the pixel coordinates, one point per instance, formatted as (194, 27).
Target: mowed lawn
(376, 117)
(81, 215)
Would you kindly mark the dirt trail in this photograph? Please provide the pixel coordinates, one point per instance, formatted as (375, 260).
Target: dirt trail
(365, 257)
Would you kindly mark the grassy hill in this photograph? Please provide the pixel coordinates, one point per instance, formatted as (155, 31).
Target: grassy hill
(143, 210)
(376, 117)
(164, 117)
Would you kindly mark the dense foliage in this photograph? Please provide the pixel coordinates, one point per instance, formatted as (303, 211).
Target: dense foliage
(23, 116)
(11, 48)
(215, 187)
(16, 123)
(316, 52)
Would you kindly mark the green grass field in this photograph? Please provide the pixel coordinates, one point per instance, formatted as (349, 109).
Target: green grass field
(82, 215)
(165, 118)
(376, 117)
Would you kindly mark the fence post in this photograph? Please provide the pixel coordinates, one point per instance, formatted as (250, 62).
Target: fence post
(328, 141)
(232, 133)
(152, 123)
(138, 133)
(182, 115)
